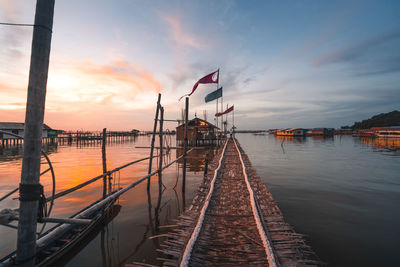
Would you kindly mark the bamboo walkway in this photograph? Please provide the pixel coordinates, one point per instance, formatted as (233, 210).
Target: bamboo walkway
(234, 220)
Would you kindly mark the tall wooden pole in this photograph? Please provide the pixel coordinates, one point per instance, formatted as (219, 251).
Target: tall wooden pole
(185, 145)
(29, 187)
(153, 139)
(104, 160)
(157, 209)
(160, 163)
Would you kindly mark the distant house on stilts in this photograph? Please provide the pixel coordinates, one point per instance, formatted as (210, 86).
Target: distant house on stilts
(200, 133)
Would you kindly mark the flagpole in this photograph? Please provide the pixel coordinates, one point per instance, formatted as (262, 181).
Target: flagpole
(222, 106)
(233, 121)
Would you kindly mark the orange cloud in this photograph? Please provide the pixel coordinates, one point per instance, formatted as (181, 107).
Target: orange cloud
(180, 36)
(119, 83)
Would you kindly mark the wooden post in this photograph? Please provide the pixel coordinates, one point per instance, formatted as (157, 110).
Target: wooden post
(153, 139)
(104, 160)
(160, 163)
(206, 164)
(29, 187)
(185, 145)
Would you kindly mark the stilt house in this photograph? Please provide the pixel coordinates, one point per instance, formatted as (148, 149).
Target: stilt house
(200, 133)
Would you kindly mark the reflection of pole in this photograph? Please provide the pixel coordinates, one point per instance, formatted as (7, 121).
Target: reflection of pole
(103, 248)
(153, 139)
(185, 144)
(30, 188)
(104, 160)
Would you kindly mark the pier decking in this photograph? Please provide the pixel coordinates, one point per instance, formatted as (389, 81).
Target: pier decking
(234, 220)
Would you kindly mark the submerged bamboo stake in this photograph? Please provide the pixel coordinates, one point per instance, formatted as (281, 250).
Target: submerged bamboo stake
(39, 66)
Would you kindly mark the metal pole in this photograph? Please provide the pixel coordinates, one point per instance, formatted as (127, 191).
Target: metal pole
(153, 139)
(185, 145)
(29, 187)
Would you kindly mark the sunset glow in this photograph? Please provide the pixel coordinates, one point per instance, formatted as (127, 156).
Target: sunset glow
(279, 68)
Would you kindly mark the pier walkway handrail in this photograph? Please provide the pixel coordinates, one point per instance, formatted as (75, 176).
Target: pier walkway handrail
(59, 230)
(79, 186)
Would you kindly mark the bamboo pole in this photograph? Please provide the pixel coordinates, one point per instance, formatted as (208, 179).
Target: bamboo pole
(153, 139)
(161, 144)
(104, 160)
(157, 209)
(39, 66)
(185, 144)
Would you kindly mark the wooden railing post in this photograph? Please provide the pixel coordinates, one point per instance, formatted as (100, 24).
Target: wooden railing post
(160, 163)
(153, 139)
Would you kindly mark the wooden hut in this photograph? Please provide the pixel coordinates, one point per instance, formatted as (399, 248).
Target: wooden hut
(17, 128)
(200, 133)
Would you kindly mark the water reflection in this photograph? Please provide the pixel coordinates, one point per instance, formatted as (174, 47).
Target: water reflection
(196, 158)
(390, 144)
(291, 139)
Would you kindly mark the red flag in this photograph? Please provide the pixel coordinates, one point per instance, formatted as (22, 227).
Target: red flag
(210, 78)
(219, 114)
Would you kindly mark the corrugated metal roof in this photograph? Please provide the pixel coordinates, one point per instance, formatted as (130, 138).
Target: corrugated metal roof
(17, 126)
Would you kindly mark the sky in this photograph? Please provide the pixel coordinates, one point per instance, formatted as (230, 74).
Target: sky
(282, 63)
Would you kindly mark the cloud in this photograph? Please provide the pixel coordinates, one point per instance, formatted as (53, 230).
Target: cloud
(356, 51)
(180, 36)
(14, 40)
(378, 67)
(118, 82)
(11, 11)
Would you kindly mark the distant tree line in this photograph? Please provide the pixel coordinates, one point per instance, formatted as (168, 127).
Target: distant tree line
(381, 120)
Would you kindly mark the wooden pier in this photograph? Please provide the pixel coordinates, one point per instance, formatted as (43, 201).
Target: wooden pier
(234, 220)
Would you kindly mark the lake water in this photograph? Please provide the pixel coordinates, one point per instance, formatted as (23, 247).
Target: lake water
(343, 193)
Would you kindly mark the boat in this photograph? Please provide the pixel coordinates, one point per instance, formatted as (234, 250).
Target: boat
(54, 250)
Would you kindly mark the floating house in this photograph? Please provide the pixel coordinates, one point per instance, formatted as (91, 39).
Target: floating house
(200, 133)
(388, 132)
(321, 131)
(18, 129)
(291, 132)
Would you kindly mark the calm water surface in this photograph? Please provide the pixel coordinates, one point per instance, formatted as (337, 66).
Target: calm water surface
(343, 193)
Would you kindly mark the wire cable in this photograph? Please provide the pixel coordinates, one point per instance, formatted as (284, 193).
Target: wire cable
(26, 25)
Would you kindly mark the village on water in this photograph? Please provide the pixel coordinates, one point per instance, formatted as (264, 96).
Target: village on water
(199, 133)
